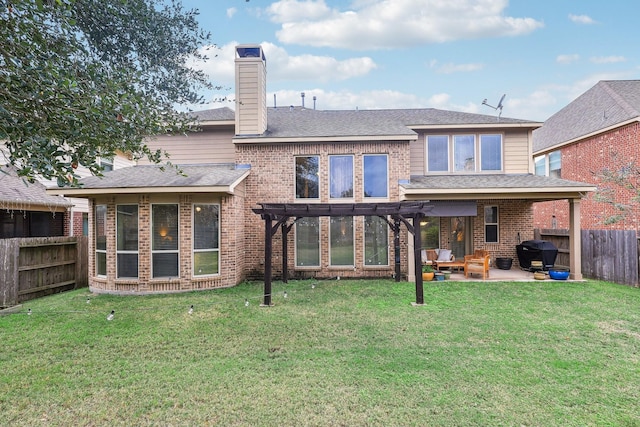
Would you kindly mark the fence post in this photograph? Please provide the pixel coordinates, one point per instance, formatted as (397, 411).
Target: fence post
(9, 250)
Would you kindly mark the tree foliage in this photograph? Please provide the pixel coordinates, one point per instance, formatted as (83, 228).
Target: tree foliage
(82, 79)
(619, 188)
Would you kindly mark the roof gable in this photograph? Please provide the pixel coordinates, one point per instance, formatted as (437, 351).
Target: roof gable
(608, 103)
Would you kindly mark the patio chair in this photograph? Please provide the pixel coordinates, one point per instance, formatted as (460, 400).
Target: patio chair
(477, 263)
(428, 256)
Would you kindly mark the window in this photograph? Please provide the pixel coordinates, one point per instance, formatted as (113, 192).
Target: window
(438, 153)
(106, 163)
(127, 241)
(164, 236)
(430, 232)
(340, 177)
(464, 154)
(307, 177)
(308, 242)
(341, 241)
(85, 224)
(555, 164)
(490, 152)
(101, 239)
(491, 224)
(376, 182)
(541, 165)
(206, 246)
(376, 241)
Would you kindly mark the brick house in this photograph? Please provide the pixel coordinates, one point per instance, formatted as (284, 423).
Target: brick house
(154, 230)
(599, 130)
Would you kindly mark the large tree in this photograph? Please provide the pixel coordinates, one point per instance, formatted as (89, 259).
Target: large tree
(81, 79)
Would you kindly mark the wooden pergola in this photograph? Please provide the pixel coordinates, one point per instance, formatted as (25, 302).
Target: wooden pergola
(277, 215)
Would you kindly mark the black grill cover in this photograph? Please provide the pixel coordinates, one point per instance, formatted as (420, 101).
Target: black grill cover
(537, 250)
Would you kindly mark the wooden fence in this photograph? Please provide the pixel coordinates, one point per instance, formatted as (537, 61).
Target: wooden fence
(610, 255)
(39, 266)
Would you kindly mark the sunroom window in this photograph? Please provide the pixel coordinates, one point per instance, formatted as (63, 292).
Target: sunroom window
(101, 239)
(206, 246)
(165, 239)
(127, 241)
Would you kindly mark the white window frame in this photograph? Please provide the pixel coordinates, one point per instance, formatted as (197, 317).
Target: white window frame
(127, 252)
(364, 182)
(194, 251)
(166, 251)
(353, 189)
(353, 241)
(295, 178)
(496, 224)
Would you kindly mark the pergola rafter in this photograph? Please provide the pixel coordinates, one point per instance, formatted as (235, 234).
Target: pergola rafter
(400, 212)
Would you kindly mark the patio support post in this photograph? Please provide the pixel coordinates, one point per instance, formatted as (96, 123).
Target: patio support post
(268, 249)
(417, 244)
(396, 246)
(575, 247)
(285, 252)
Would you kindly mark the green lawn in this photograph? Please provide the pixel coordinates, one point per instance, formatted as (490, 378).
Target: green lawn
(346, 353)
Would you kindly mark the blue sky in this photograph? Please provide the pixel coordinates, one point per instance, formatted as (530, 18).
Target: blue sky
(448, 54)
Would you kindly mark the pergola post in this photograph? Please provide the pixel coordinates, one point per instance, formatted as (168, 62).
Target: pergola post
(285, 253)
(268, 250)
(396, 246)
(417, 248)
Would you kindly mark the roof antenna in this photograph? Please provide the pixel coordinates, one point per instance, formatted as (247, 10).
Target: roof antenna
(498, 107)
(302, 96)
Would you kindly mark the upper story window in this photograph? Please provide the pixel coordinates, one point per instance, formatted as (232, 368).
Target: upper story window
(490, 152)
(438, 153)
(341, 177)
(464, 153)
(106, 163)
(375, 172)
(307, 177)
(549, 164)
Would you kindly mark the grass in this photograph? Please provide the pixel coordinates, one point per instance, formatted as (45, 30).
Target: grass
(346, 353)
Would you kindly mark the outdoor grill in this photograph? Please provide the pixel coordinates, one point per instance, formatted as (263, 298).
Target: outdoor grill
(536, 250)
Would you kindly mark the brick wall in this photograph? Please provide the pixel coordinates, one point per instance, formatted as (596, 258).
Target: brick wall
(272, 179)
(584, 162)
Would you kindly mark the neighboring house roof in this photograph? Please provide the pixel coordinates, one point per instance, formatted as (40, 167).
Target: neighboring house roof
(608, 104)
(489, 186)
(207, 178)
(17, 194)
(301, 123)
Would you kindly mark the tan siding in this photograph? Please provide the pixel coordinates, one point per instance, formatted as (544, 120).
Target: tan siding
(517, 154)
(209, 146)
(417, 156)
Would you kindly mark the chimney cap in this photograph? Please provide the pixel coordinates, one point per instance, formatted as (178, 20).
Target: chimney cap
(250, 51)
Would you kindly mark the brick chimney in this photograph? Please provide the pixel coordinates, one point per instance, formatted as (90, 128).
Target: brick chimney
(251, 90)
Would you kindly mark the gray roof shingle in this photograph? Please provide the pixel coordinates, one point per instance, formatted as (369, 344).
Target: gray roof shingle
(606, 104)
(153, 176)
(497, 181)
(15, 192)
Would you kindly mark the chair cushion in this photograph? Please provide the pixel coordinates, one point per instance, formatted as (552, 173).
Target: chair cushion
(444, 255)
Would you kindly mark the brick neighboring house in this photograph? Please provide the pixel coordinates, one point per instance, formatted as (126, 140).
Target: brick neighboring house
(158, 231)
(599, 130)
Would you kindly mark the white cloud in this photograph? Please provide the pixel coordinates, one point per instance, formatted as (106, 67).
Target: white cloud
(383, 24)
(281, 66)
(231, 11)
(451, 68)
(607, 59)
(567, 59)
(581, 19)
